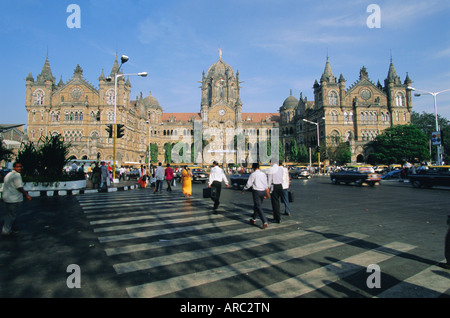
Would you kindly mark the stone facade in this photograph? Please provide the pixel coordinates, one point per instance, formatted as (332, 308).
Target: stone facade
(80, 112)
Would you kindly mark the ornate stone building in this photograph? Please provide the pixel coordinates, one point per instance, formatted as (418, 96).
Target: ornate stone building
(80, 112)
(356, 114)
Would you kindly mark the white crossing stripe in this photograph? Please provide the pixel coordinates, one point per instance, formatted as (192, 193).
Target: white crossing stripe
(318, 278)
(432, 282)
(189, 240)
(197, 254)
(170, 285)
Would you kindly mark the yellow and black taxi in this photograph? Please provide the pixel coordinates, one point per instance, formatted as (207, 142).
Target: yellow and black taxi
(433, 176)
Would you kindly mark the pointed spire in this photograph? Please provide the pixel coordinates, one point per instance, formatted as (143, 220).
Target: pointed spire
(102, 76)
(29, 77)
(46, 73)
(61, 83)
(78, 72)
(328, 73)
(115, 68)
(408, 80)
(392, 74)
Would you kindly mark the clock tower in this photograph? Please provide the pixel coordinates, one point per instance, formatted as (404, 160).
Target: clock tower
(221, 105)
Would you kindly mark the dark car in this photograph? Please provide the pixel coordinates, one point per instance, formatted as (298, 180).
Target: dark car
(392, 175)
(239, 180)
(132, 174)
(357, 175)
(299, 172)
(199, 175)
(434, 176)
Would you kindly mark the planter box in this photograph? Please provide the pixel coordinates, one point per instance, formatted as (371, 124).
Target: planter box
(61, 187)
(58, 185)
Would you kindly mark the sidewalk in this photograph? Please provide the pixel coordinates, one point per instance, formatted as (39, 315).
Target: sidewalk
(119, 186)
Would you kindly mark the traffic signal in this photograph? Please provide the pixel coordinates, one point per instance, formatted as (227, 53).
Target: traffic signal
(120, 130)
(109, 129)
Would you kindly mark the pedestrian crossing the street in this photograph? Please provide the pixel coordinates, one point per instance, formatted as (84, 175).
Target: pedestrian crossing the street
(164, 245)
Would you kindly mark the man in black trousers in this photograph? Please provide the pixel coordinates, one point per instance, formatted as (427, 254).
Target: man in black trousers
(216, 176)
(276, 183)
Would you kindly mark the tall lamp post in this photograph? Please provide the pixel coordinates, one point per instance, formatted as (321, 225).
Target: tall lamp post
(438, 129)
(123, 59)
(318, 139)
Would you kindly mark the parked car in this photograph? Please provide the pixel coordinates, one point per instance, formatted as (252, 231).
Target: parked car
(433, 176)
(394, 174)
(357, 175)
(132, 174)
(299, 172)
(239, 180)
(199, 175)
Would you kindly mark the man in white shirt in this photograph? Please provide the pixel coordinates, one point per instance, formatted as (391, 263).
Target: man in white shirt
(285, 194)
(260, 190)
(275, 177)
(159, 174)
(216, 176)
(13, 194)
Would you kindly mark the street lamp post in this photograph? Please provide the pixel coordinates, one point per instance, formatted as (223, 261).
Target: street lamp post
(124, 59)
(318, 139)
(438, 130)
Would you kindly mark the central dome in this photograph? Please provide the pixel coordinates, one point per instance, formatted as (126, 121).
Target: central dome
(290, 103)
(220, 69)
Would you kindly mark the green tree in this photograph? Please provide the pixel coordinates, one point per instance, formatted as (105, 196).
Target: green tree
(303, 155)
(426, 122)
(340, 154)
(399, 143)
(5, 153)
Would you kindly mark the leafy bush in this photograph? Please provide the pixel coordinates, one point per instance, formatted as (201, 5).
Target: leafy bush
(45, 161)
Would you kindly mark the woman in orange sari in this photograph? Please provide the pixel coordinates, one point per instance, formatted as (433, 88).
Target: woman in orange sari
(186, 175)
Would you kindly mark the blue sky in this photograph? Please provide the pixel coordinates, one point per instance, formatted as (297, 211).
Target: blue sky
(276, 45)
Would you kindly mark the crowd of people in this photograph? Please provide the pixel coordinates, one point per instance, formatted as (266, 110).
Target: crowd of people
(273, 183)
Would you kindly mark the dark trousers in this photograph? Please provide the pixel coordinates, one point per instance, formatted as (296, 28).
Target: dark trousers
(159, 185)
(447, 245)
(169, 182)
(258, 198)
(275, 200)
(218, 187)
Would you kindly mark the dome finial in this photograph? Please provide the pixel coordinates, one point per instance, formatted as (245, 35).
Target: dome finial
(220, 53)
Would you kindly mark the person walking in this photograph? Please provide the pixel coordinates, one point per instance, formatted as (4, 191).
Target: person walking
(96, 176)
(159, 177)
(151, 177)
(142, 177)
(169, 177)
(275, 179)
(216, 176)
(186, 182)
(13, 194)
(285, 193)
(104, 177)
(260, 190)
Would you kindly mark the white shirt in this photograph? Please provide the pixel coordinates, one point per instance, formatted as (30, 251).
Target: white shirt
(285, 178)
(257, 180)
(159, 173)
(217, 174)
(275, 175)
(13, 181)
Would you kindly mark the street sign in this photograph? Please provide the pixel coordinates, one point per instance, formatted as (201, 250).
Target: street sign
(436, 138)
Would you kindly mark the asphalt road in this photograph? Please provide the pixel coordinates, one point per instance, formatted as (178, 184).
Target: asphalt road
(55, 232)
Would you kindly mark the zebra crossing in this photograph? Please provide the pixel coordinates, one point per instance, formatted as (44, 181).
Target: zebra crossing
(164, 245)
